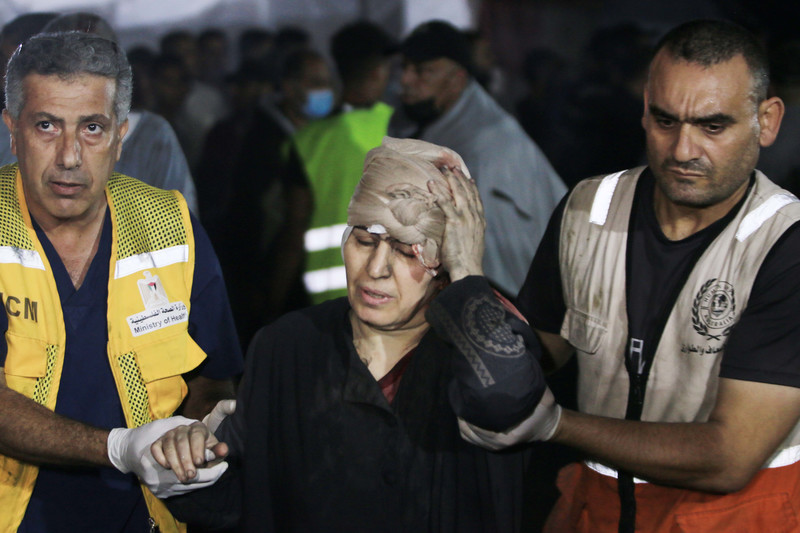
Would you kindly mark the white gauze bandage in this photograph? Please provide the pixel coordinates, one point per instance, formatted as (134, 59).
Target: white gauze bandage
(393, 193)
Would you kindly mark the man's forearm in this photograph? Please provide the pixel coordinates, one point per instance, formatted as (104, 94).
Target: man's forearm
(747, 425)
(689, 455)
(32, 433)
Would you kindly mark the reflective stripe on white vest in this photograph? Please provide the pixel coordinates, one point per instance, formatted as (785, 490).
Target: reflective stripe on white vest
(786, 457)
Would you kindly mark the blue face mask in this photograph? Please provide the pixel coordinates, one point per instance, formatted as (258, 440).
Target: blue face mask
(319, 103)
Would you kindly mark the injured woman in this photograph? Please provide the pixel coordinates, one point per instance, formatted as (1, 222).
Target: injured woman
(346, 417)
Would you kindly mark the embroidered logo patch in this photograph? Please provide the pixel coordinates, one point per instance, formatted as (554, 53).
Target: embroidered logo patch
(158, 312)
(714, 309)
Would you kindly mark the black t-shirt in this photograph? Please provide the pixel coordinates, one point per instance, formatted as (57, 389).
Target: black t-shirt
(763, 346)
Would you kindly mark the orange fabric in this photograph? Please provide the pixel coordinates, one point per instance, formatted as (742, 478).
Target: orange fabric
(589, 503)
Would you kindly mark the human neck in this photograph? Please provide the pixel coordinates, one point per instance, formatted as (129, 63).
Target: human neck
(295, 117)
(380, 350)
(357, 96)
(76, 242)
(678, 222)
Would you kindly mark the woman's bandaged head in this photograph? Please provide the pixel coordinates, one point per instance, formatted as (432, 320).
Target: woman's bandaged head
(393, 193)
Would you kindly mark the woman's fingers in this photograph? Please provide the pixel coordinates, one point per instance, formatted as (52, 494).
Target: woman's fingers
(465, 196)
(183, 449)
(462, 245)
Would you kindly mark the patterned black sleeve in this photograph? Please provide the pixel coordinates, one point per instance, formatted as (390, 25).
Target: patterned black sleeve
(215, 507)
(497, 377)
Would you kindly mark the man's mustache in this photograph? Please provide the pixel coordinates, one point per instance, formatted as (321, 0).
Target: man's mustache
(686, 166)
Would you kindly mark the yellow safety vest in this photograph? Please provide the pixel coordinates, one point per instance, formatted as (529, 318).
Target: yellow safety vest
(149, 347)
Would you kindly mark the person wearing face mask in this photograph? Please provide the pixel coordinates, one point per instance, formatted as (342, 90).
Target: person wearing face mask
(319, 103)
(346, 417)
(245, 180)
(306, 87)
(443, 104)
(332, 150)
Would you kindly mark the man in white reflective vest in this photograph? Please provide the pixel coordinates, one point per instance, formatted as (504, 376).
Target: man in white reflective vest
(677, 285)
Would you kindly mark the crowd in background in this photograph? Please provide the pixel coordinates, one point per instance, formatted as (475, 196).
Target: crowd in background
(585, 117)
(233, 102)
(233, 115)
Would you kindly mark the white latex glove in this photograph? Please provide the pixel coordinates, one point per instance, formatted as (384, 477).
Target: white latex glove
(129, 451)
(541, 425)
(223, 409)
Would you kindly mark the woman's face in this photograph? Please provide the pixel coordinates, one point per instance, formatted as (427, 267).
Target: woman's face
(388, 287)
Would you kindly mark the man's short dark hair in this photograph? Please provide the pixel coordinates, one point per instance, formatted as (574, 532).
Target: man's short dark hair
(253, 37)
(291, 37)
(293, 65)
(438, 39)
(710, 42)
(68, 55)
(82, 21)
(23, 27)
(164, 62)
(211, 34)
(357, 48)
(170, 42)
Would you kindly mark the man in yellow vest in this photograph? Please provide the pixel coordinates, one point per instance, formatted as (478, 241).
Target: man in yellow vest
(331, 150)
(676, 286)
(115, 309)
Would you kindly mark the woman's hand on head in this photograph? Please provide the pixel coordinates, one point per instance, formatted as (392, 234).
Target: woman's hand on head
(461, 253)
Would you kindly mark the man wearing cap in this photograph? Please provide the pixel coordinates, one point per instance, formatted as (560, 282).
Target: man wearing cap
(244, 181)
(443, 104)
(332, 150)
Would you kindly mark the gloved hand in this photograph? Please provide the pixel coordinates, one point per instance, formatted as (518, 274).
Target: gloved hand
(129, 451)
(540, 425)
(223, 409)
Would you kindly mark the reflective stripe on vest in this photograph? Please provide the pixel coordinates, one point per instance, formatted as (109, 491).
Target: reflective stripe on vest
(756, 218)
(332, 152)
(26, 258)
(317, 239)
(323, 246)
(328, 279)
(602, 199)
(786, 457)
(154, 259)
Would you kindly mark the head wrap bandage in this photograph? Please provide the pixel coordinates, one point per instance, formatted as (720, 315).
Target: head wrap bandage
(393, 193)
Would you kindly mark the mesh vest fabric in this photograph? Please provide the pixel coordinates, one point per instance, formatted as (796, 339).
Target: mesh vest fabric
(146, 221)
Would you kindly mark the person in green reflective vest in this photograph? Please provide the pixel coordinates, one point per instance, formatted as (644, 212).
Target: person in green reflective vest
(332, 150)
